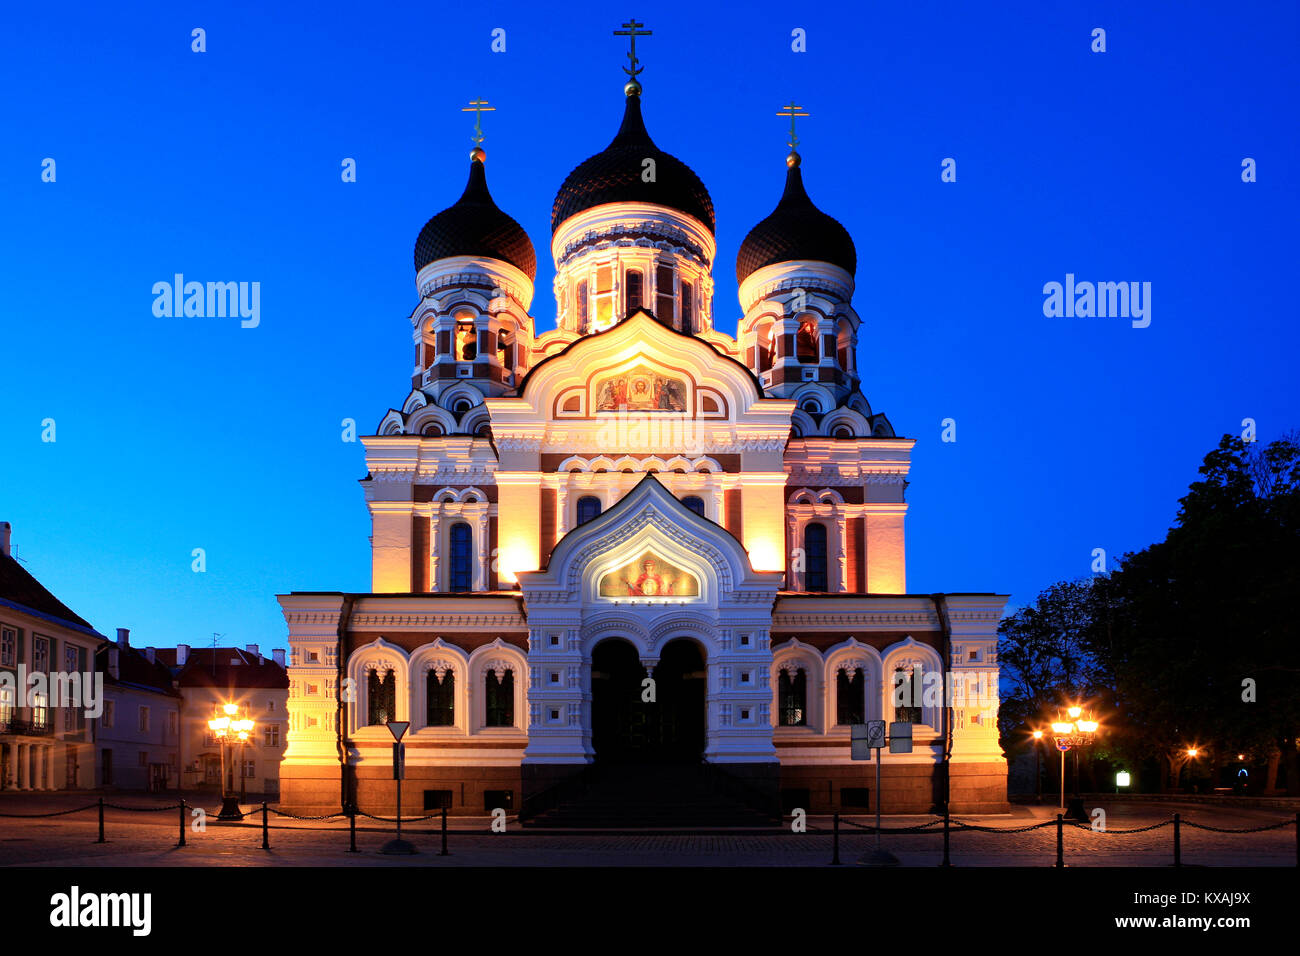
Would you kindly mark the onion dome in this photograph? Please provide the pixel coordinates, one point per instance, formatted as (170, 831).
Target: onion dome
(474, 226)
(796, 229)
(614, 175)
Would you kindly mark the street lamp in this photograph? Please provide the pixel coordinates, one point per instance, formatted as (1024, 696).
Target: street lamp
(229, 728)
(1079, 731)
(1038, 770)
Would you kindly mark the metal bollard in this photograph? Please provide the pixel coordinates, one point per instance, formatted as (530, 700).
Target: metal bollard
(101, 822)
(1178, 840)
(946, 832)
(444, 832)
(1060, 840)
(352, 828)
(266, 833)
(181, 842)
(835, 855)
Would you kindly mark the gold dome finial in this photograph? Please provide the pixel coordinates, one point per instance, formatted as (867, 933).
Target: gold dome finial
(477, 154)
(792, 160)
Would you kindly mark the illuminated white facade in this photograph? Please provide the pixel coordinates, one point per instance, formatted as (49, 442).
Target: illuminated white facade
(633, 497)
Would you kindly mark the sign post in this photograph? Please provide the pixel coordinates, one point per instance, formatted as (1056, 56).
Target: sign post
(398, 728)
(868, 740)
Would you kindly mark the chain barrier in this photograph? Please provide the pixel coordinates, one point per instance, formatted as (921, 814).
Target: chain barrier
(1271, 826)
(295, 816)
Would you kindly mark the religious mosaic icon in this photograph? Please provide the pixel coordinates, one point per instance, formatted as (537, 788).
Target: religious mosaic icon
(649, 576)
(641, 390)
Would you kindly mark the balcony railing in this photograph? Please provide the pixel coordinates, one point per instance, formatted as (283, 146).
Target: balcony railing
(37, 727)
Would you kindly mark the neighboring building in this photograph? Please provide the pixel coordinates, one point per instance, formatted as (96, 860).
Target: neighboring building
(208, 678)
(635, 496)
(138, 739)
(42, 746)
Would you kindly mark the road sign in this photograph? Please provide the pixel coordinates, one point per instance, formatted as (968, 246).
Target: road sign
(900, 737)
(866, 737)
(399, 761)
(398, 727)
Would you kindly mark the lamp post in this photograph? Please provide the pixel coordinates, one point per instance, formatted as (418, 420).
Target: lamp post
(1038, 770)
(1079, 731)
(229, 728)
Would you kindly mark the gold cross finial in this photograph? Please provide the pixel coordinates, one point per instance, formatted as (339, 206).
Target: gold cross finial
(478, 107)
(792, 111)
(632, 30)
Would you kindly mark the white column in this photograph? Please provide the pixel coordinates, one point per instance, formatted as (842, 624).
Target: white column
(38, 767)
(23, 779)
(562, 509)
(481, 538)
(49, 768)
(435, 550)
(842, 549)
(13, 766)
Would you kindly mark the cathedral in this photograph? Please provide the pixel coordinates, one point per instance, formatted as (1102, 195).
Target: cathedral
(634, 552)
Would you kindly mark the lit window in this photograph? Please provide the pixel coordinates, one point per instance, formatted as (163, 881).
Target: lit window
(466, 342)
(805, 346)
(604, 297)
(792, 698)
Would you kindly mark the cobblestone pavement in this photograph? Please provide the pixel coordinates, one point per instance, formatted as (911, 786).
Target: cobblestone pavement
(148, 839)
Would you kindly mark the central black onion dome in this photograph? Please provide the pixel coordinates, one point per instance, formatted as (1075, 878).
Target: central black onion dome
(474, 226)
(796, 229)
(614, 175)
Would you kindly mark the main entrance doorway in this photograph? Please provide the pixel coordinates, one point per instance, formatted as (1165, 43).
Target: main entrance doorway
(625, 727)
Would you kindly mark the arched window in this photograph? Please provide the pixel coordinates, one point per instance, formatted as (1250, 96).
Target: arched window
(792, 698)
(499, 699)
(688, 320)
(466, 342)
(695, 503)
(844, 345)
(462, 576)
(381, 697)
(442, 699)
(907, 695)
(805, 345)
(461, 406)
(814, 545)
(635, 286)
(588, 508)
(850, 699)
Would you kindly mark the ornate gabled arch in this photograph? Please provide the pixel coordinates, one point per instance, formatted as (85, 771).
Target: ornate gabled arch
(794, 656)
(604, 625)
(845, 417)
(461, 391)
(414, 401)
(378, 656)
(814, 393)
(394, 423)
(431, 415)
(802, 423)
(849, 656)
(498, 657)
(438, 659)
(918, 660)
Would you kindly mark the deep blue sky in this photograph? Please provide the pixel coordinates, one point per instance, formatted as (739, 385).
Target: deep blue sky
(1072, 434)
